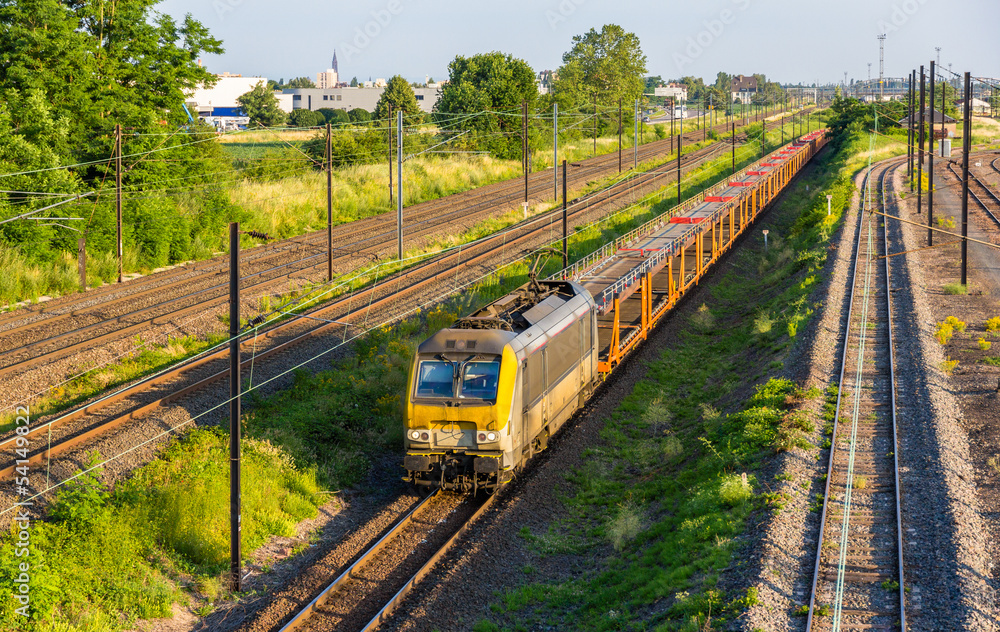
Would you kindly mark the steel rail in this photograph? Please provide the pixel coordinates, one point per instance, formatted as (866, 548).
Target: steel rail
(891, 165)
(982, 205)
(303, 615)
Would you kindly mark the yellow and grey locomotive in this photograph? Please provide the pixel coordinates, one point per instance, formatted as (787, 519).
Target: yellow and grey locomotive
(486, 394)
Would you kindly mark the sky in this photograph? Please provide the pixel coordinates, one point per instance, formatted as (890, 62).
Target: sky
(790, 41)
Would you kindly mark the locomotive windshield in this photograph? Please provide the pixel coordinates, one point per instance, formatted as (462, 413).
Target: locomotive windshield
(436, 379)
(478, 379)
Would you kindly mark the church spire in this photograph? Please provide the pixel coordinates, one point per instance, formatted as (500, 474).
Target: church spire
(334, 66)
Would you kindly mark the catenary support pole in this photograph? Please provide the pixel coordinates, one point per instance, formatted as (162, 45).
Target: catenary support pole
(595, 124)
(118, 198)
(966, 148)
(235, 541)
(680, 144)
(329, 202)
(555, 151)
(389, 136)
(524, 146)
(920, 146)
(673, 111)
(81, 260)
(399, 184)
(734, 144)
(909, 134)
(635, 138)
(930, 164)
(619, 135)
(565, 220)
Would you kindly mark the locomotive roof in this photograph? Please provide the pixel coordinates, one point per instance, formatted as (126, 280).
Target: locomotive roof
(522, 308)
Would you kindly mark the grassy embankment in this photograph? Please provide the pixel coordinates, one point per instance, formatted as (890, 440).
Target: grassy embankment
(104, 560)
(658, 513)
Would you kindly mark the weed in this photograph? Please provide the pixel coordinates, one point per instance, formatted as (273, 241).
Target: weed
(955, 288)
(801, 611)
(860, 482)
(946, 222)
(703, 319)
(763, 323)
(992, 361)
(735, 490)
(890, 585)
(948, 366)
(994, 463)
(984, 344)
(993, 325)
(784, 476)
(956, 324)
(625, 526)
(944, 333)
(672, 447)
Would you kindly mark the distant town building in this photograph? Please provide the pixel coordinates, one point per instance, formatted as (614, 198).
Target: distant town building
(217, 105)
(744, 88)
(347, 98)
(676, 91)
(545, 80)
(331, 76)
(978, 106)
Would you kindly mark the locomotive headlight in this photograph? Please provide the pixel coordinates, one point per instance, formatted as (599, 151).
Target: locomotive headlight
(491, 436)
(481, 437)
(425, 436)
(415, 435)
(485, 437)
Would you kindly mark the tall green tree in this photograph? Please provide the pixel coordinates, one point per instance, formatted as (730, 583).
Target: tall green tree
(301, 82)
(491, 87)
(608, 63)
(399, 93)
(261, 106)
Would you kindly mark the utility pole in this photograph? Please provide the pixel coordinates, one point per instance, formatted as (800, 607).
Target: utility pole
(966, 148)
(920, 142)
(785, 99)
(930, 165)
(555, 151)
(235, 539)
(870, 81)
(118, 196)
(938, 49)
(619, 134)
(763, 136)
(389, 137)
(565, 221)
(881, 65)
(399, 184)
(329, 202)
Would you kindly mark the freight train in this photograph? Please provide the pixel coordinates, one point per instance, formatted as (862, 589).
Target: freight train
(486, 394)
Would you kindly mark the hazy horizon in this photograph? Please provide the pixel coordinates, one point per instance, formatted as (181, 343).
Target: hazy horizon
(788, 41)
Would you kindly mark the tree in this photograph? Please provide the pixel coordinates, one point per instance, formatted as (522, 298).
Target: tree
(305, 118)
(399, 94)
(261, 106)
(301, 82)
(609, 63)
(354, 82)
(359, 115)
(487, 85)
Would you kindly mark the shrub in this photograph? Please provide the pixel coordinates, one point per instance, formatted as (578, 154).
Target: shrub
(955, 288)
(672, 447)
(984, 344)
(944, 333)
(703, 318)
(735, 490)
(946, 222)
(956, 324)
(949, 365)
(993, 325)
(763, 322)
(994, 463)
(625, 525)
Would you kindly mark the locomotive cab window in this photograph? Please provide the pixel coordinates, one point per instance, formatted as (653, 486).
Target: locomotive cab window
(435, 379)
(480, 379)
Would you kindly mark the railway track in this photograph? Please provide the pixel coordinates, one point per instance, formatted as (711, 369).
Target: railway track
(65, 432)
(858, 581)
(37, 337)
(368, 590)
(981, 193)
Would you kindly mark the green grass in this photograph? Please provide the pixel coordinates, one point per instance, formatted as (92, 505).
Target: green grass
(104, 560)
(695, 505)
(955, 288)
